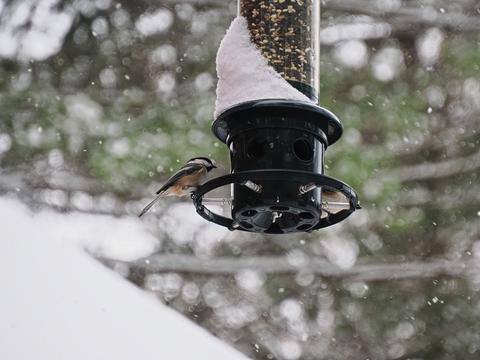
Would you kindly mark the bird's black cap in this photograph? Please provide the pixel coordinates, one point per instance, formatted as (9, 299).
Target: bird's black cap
(209, 161)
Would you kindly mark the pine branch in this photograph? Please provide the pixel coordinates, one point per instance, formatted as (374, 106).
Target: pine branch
(403, 18)
(408, 17)
(431, 170)
(365, 270)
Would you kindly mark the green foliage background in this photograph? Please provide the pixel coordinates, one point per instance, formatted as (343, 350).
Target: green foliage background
(129, 134)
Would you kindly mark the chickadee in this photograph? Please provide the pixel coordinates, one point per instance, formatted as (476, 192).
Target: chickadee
(184, 181)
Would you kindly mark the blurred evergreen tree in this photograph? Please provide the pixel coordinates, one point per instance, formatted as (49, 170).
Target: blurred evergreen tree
(120, 93)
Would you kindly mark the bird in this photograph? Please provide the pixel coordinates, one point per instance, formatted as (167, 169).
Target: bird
(184, 181)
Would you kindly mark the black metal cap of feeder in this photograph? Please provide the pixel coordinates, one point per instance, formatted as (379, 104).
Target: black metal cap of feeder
(277, 146)
(278, 114)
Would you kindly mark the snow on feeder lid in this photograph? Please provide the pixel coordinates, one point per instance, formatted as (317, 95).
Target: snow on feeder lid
(266, 113)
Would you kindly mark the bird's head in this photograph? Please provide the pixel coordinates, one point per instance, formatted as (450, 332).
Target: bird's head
(208, 163)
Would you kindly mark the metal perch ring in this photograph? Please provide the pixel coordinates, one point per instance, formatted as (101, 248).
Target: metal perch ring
(301, 177)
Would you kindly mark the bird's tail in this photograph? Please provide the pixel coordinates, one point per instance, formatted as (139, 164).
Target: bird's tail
(150, 204)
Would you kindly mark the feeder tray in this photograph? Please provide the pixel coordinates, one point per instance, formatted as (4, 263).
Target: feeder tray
(277, 152)
(284, 217)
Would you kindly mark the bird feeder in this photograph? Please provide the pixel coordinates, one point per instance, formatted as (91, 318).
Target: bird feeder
(277, 144)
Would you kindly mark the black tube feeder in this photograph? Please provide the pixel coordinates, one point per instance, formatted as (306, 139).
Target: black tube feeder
(276, 150)
(277, 146)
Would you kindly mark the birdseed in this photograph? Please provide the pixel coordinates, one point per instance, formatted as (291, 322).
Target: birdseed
(286, 32)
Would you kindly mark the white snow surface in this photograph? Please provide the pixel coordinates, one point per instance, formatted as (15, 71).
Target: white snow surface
(115, 238)
(59, 303)
(244, 74)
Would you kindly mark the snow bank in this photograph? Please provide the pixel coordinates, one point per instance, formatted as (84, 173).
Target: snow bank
(115, 238)
(59, 303)
(244, 74)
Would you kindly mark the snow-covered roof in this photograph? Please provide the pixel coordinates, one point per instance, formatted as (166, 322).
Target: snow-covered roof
(59, 303)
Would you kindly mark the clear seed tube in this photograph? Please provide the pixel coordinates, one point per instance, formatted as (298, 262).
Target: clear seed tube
(287, 34)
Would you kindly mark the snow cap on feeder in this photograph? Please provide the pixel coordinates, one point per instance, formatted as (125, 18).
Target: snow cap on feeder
(266, 113)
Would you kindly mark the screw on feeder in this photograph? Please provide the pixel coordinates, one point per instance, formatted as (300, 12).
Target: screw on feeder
(276, 215)
(277, 143)
(252, 186)
(303, 189)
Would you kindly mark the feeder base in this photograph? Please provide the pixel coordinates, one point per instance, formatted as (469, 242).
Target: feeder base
(279, 217)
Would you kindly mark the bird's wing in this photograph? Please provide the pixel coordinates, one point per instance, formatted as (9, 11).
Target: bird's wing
(184, 171)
